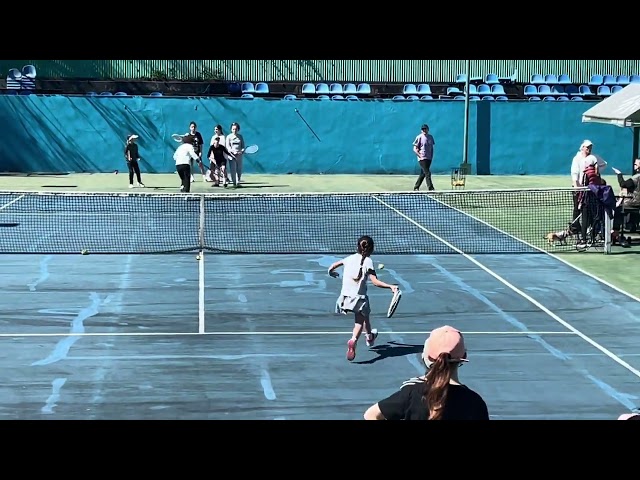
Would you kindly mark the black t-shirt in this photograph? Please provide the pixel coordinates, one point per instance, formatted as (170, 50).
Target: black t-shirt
(197, 142)
(407, 404)
(133, 149)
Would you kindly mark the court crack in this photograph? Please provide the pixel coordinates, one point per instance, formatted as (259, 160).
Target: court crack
(61, 350)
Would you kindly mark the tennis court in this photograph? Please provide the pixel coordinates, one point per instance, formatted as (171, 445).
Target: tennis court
(140, 328)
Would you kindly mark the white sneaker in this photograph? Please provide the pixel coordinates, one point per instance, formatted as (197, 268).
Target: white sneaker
(141, 185)
(371, 340)
(131, 185)
(616, 171)
(192, 179)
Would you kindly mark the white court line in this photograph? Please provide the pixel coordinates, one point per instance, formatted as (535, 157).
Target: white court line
(524, 295)
(11, 202)
(552, 255)
(201, 293)
(292, 333)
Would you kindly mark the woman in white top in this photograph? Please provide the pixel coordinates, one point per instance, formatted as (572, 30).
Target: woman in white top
(235, 144)
(358, 268)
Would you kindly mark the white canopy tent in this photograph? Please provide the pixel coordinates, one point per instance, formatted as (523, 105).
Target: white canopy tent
(621, 109)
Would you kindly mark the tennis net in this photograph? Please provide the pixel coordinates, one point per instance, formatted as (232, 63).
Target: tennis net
(471, 222)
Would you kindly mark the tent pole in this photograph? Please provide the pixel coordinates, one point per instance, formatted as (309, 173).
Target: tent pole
(636, 144)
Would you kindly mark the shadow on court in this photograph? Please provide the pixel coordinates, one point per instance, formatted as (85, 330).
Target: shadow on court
(391, 349)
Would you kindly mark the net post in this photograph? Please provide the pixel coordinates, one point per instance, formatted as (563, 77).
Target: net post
(201, 224)
(608, 227)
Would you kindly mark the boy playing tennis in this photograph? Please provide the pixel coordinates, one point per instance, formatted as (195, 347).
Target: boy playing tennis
(358, 268)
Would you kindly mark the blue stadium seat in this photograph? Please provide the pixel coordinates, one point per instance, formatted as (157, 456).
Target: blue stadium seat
(336, 89)
(322, 89)
(502, 98)
(616, 89)
(536, 79)
(155, 94)
(562, 98)
(338, 97)
(622, 80)
(461, 78)
(549, 99)
(634, 79)
(596, 79)
(106, 94)
(585, 90)
(247, 96)
(473, 89)
(544, 90)
(121, 94)
(550, 79)
(399, 98)
(364, 89)
(577, 99)
(488, 97)
(530, 90)
(491, 79)
(289, 97)
(262, 88)
(571, 90)
(247, 87)
(459, 97)
(413, 97)
(409, 89)
(349, 89)
(534, 99)
(309, 89)
(424, 89)
(323, 97)
(14, 78)
(426, 97)
(497, 89)
(604, 90)
(453, 91)
(28, 80)
(352, 98)
(564, 79)
(609, 80)
(483, 89)
(474, 98)
(557, 90)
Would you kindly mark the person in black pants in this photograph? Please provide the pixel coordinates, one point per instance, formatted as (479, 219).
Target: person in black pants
(132, 157)
(183, 156)
(423, 148)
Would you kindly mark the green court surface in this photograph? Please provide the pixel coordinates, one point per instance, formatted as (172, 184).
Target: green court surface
(610, 268)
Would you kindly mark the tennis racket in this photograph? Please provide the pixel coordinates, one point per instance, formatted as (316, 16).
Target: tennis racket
(177, 137)
(251, 149)
(395, 300)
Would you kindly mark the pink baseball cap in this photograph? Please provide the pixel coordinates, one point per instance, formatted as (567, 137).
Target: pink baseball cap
(629, 416)
(445, 339)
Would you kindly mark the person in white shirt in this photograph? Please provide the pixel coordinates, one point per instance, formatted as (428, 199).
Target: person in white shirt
(184, 155)
(358, 268)
(235, 144)
(581, 160)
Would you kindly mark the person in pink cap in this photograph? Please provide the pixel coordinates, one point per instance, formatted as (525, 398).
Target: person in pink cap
(438, 395)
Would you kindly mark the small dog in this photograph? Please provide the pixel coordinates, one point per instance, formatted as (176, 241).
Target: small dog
(559, 237)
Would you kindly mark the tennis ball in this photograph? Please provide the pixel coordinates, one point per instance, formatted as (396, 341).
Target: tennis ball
(198, 257)
(84, 252)
(381, 266)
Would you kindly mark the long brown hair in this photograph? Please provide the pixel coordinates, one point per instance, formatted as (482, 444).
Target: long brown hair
(365, 248)
(437, 385)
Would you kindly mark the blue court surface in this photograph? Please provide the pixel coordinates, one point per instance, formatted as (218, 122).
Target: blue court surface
(255, 336)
